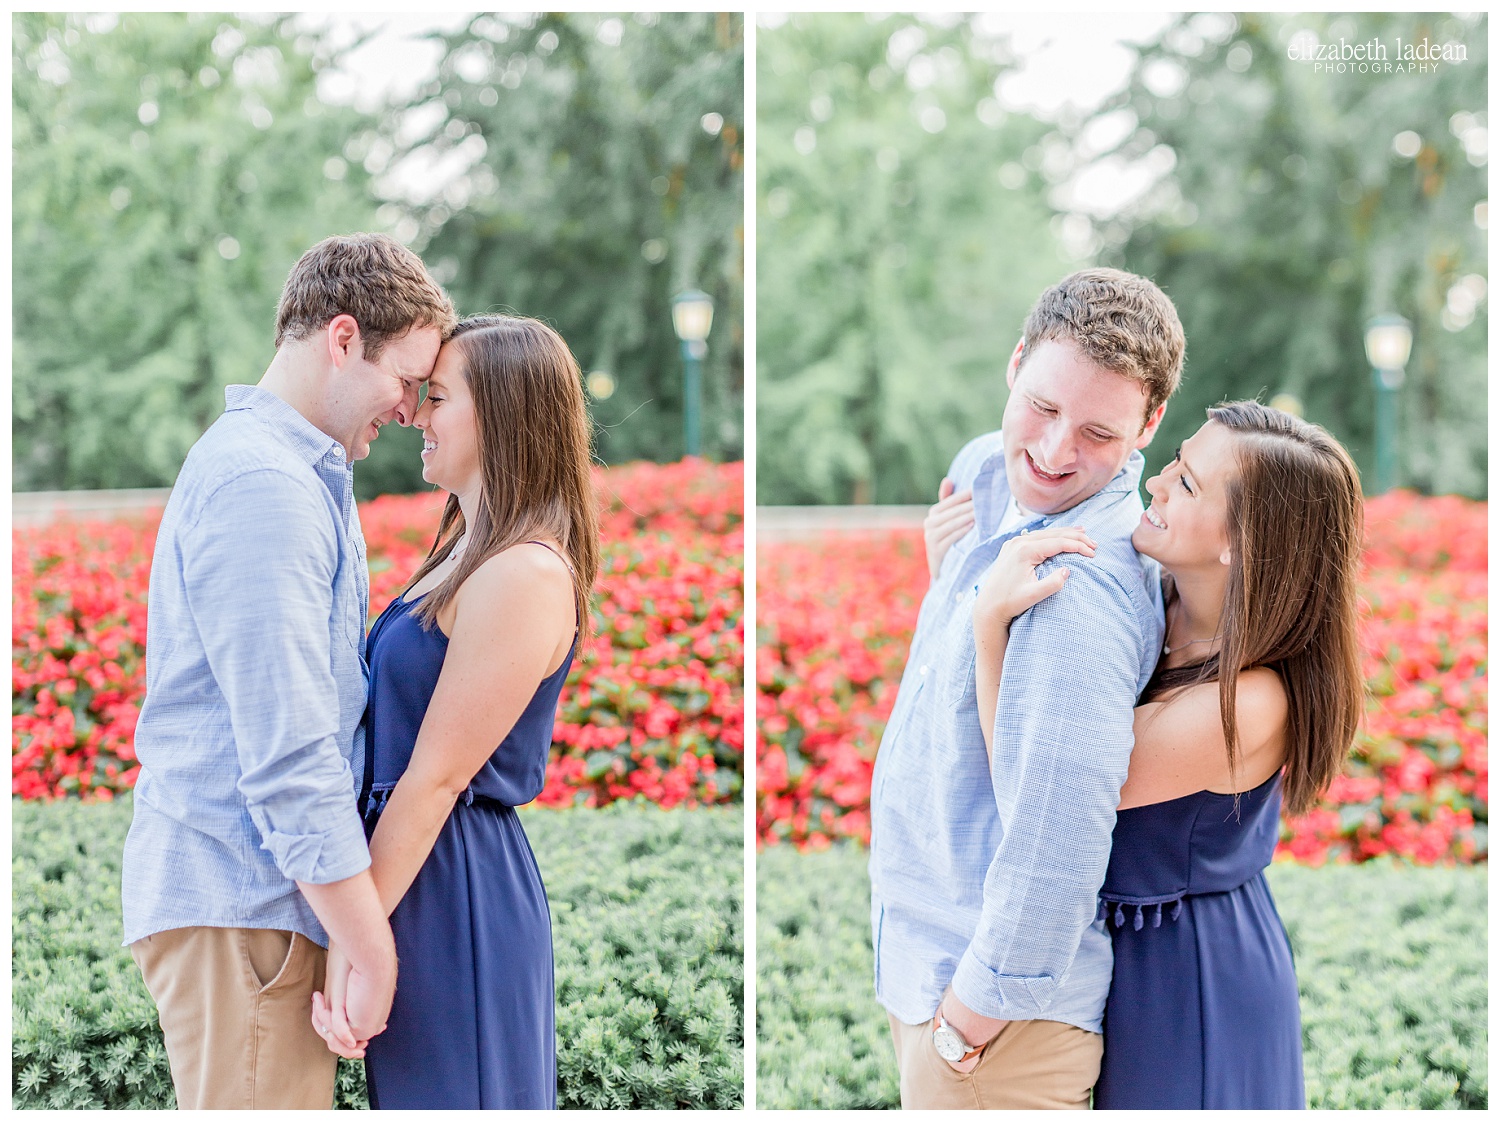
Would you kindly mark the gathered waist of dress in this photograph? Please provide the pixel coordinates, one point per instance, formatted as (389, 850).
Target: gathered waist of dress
(374, 803)
(1116, 909)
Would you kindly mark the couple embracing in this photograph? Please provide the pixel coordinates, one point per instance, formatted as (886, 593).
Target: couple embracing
(1105, 707)
(325, 857)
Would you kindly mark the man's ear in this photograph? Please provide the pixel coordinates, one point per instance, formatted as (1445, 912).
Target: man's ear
(1015, 363)
(1152, 422)
(344, 343)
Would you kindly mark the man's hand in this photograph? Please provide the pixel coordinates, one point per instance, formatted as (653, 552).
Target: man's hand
(360, 975)
(367, 1002)
(949, 519)
(352, 1010)
(973, 1027)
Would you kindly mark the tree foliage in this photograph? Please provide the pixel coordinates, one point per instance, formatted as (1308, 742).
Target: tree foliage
(1295, 210)
(902, 237)
(894, 271)
(609, 177)
(169, 170)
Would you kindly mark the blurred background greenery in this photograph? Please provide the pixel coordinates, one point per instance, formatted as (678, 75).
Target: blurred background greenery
(170, 168)
(908, 213)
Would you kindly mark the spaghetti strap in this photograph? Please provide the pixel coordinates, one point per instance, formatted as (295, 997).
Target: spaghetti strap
(571, 572)
(557, 552)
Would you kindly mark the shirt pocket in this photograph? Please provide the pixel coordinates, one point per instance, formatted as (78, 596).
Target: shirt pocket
(958, 668)
(346, 602)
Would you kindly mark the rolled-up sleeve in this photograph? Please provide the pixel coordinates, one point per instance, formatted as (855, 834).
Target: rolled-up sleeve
(259, 572)
(1062, 743)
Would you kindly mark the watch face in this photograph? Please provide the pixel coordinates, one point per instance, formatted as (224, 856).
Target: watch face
(949, 1044)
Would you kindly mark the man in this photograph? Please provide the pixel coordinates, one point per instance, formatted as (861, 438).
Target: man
(246, 853)
(985, 876)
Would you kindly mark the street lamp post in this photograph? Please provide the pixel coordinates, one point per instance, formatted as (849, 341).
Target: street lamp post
(692, 317)
(1388, 346)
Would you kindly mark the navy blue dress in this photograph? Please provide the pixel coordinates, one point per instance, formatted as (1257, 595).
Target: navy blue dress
(472, 1023)
(1202, 1013)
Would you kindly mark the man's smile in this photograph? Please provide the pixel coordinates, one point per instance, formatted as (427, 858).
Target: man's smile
(1044, 476)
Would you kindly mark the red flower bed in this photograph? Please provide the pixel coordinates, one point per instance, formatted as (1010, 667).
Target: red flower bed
(836, 618)
(654, 708)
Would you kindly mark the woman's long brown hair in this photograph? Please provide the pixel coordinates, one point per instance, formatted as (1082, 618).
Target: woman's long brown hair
(534, 455)
(1296, 528)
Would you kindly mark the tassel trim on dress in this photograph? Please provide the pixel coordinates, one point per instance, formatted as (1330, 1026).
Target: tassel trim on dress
(1118, 911)
(379, 798)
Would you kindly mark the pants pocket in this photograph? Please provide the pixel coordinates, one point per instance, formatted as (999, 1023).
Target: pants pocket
(269, 954)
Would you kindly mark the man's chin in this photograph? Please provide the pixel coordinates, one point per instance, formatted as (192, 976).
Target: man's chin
(1031, 496)
(1036, 501)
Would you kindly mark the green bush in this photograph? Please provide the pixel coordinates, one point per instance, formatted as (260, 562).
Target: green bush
(1391, 965)
(647, 920)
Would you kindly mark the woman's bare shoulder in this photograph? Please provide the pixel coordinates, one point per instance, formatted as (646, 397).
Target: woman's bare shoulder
(525, 575)
(1260, 704)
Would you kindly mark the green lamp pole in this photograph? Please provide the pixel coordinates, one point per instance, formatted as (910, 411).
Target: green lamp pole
(692, 317)
(1388, 346)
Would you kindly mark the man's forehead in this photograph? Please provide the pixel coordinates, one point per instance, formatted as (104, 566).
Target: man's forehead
(417, 357)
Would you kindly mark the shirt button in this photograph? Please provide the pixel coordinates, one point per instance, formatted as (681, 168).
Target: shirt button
(924, 670)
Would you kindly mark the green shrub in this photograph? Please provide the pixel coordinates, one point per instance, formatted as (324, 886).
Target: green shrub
(1391, 965)
(647, 920)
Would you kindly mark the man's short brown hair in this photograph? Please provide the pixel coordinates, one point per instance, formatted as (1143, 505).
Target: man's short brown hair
(1120, 321)
(373, 278)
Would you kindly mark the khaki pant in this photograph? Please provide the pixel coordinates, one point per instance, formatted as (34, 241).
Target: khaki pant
(236, 1010)
(1031, 1065)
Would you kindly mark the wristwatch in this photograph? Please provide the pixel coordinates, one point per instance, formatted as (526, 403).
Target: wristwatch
(950, 1043)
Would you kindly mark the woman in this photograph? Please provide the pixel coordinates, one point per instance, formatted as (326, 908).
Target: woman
(1257, 524)
(473, 655)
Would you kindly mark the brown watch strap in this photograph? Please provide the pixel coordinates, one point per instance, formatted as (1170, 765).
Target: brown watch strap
(967, 1056)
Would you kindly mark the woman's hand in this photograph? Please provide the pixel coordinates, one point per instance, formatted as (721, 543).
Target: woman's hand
(949, 519)
(1010, 585)
(329, 1018)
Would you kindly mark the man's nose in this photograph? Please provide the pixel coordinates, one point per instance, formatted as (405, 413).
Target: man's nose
(406, 412)
(1058, 446)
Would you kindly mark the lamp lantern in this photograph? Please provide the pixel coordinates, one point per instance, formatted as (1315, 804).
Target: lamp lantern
(1387, 346)
(692, 319)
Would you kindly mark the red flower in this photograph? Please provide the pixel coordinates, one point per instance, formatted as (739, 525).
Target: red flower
(657, 695)
(836, 618)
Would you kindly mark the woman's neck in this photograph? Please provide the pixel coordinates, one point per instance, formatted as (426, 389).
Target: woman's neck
(1195, 617)
(468, 506)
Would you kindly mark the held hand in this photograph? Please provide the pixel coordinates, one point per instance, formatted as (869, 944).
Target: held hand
(328, 1013)
(949, 519)
(1010, 585)
(368, 1003)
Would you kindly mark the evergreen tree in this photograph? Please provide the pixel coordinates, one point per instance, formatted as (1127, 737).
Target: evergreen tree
(169, 171)
(903, 235)
(1300, 203)
(606, 175)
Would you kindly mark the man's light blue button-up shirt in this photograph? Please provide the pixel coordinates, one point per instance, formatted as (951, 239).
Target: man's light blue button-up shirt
(986, 875)
(249, 739)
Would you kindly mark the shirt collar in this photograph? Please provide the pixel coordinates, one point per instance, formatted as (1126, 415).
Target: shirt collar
(301, 433)
(992, 494)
